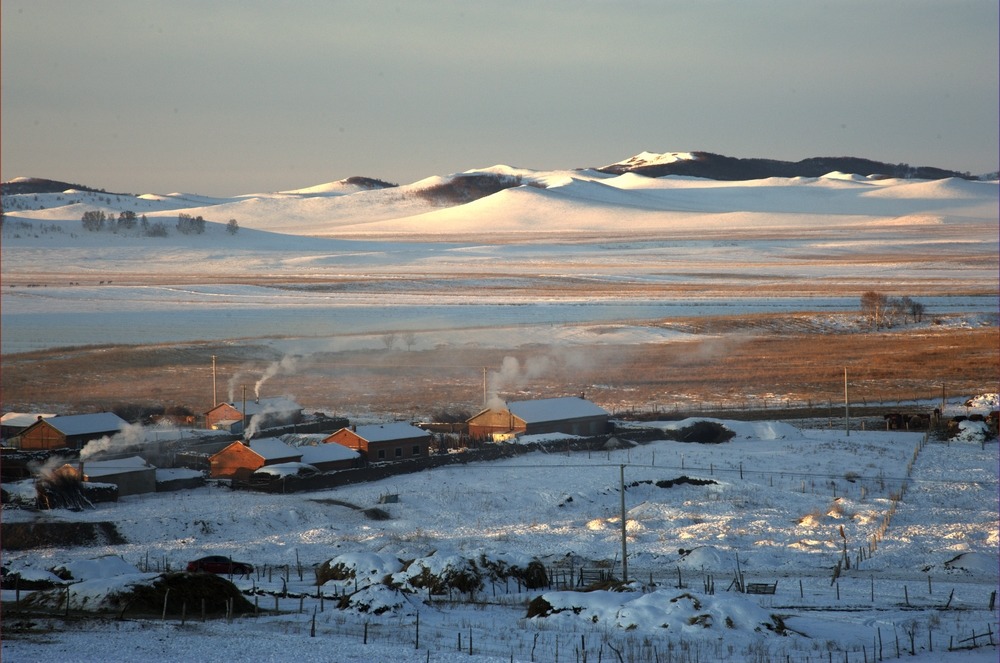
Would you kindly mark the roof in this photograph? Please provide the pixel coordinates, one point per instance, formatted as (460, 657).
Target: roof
(100, 468)
(326, 453)
(81, 424)
(22, 419)
(399, 430)
(303, 439)
(555, 409)
(269, 448)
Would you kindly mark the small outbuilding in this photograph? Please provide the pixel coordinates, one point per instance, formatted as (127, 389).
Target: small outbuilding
(69, 431)
(240, 459)
(572, 415)
(132, 475)
(381, 442)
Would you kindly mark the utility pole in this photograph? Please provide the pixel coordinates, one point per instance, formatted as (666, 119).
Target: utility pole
(484, 387)
(847, 407)
(621, 490)
(215, 397)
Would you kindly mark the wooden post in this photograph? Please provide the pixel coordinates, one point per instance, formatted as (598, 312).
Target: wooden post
(166, 595)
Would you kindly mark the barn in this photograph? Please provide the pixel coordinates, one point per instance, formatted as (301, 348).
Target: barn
(70, 431)
(240, 459)
(571, 415)
(262, 412)
(379, 442)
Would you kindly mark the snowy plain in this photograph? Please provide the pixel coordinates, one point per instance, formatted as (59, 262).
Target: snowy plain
(563, 249)
(554, 260)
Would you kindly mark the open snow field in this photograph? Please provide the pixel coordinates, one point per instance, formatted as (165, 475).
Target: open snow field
(784, 505)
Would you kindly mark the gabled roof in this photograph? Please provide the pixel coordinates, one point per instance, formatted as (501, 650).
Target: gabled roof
(399, 430)
(82, 424)
(22, 419)
(555, 409)
(270, 448)
(100, 468)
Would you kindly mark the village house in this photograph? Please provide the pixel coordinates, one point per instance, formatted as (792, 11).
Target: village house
(264, 412)
(379, 442)
(13, 424)
(240, 459)
(69, 432)
(571, 415)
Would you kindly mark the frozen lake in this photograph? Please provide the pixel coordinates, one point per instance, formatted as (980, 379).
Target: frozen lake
(45, 318)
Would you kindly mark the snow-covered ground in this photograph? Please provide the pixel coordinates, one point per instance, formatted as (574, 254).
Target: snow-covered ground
(919, 522)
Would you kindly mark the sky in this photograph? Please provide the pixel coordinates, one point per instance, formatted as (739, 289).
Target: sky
(224, 97)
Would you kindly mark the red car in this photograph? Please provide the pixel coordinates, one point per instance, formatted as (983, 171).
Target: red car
(220, 564)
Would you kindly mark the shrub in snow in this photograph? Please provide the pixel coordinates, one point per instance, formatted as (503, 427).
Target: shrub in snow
(530, 573)
(374, 600)
(972, 431)
(440, 573)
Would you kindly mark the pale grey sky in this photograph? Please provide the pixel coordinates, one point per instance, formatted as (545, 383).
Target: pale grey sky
(224, 97)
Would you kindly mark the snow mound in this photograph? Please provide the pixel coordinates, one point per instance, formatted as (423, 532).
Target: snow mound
(685, 613)
(108, 566)
(975, 563)
(704, 557)
(972, 431)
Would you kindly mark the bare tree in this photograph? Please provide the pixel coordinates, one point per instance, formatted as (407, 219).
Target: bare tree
(410, 339)
(874, 307)
(232, 227)
(389, 340)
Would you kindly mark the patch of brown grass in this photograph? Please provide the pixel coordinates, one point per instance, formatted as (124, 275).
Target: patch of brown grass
(748, 361)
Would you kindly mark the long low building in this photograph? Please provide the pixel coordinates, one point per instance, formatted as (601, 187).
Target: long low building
(69, 431)
(572, 415)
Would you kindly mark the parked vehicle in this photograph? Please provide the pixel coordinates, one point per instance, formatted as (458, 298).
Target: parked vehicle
(220, 564)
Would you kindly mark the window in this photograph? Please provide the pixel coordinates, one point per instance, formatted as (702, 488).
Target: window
(416, 450)
(381, 454)
(399, 452)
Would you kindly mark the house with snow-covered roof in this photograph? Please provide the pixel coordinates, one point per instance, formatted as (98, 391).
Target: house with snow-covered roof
(240, 459)
(13, 424)
(572, 415)
(379, 442)
(266, 412)
(69, 431)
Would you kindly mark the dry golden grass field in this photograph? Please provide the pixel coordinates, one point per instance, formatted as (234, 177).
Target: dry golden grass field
(742, 362)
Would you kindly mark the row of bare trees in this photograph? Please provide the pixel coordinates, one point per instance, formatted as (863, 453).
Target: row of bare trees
(882, 311)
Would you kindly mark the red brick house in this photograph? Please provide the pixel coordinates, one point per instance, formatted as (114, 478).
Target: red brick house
(240, 459)
(264, 412)
(381, 442)
(70, 431)
(572, 415)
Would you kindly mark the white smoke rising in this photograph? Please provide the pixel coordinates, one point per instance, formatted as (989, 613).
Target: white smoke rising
(235, 380)
(287, 365)
(513, 376)
(130, 437)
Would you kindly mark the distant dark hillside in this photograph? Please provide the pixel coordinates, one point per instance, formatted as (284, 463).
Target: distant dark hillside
(718, 167)
(467, 187)
(32, 185)
(369, 182)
